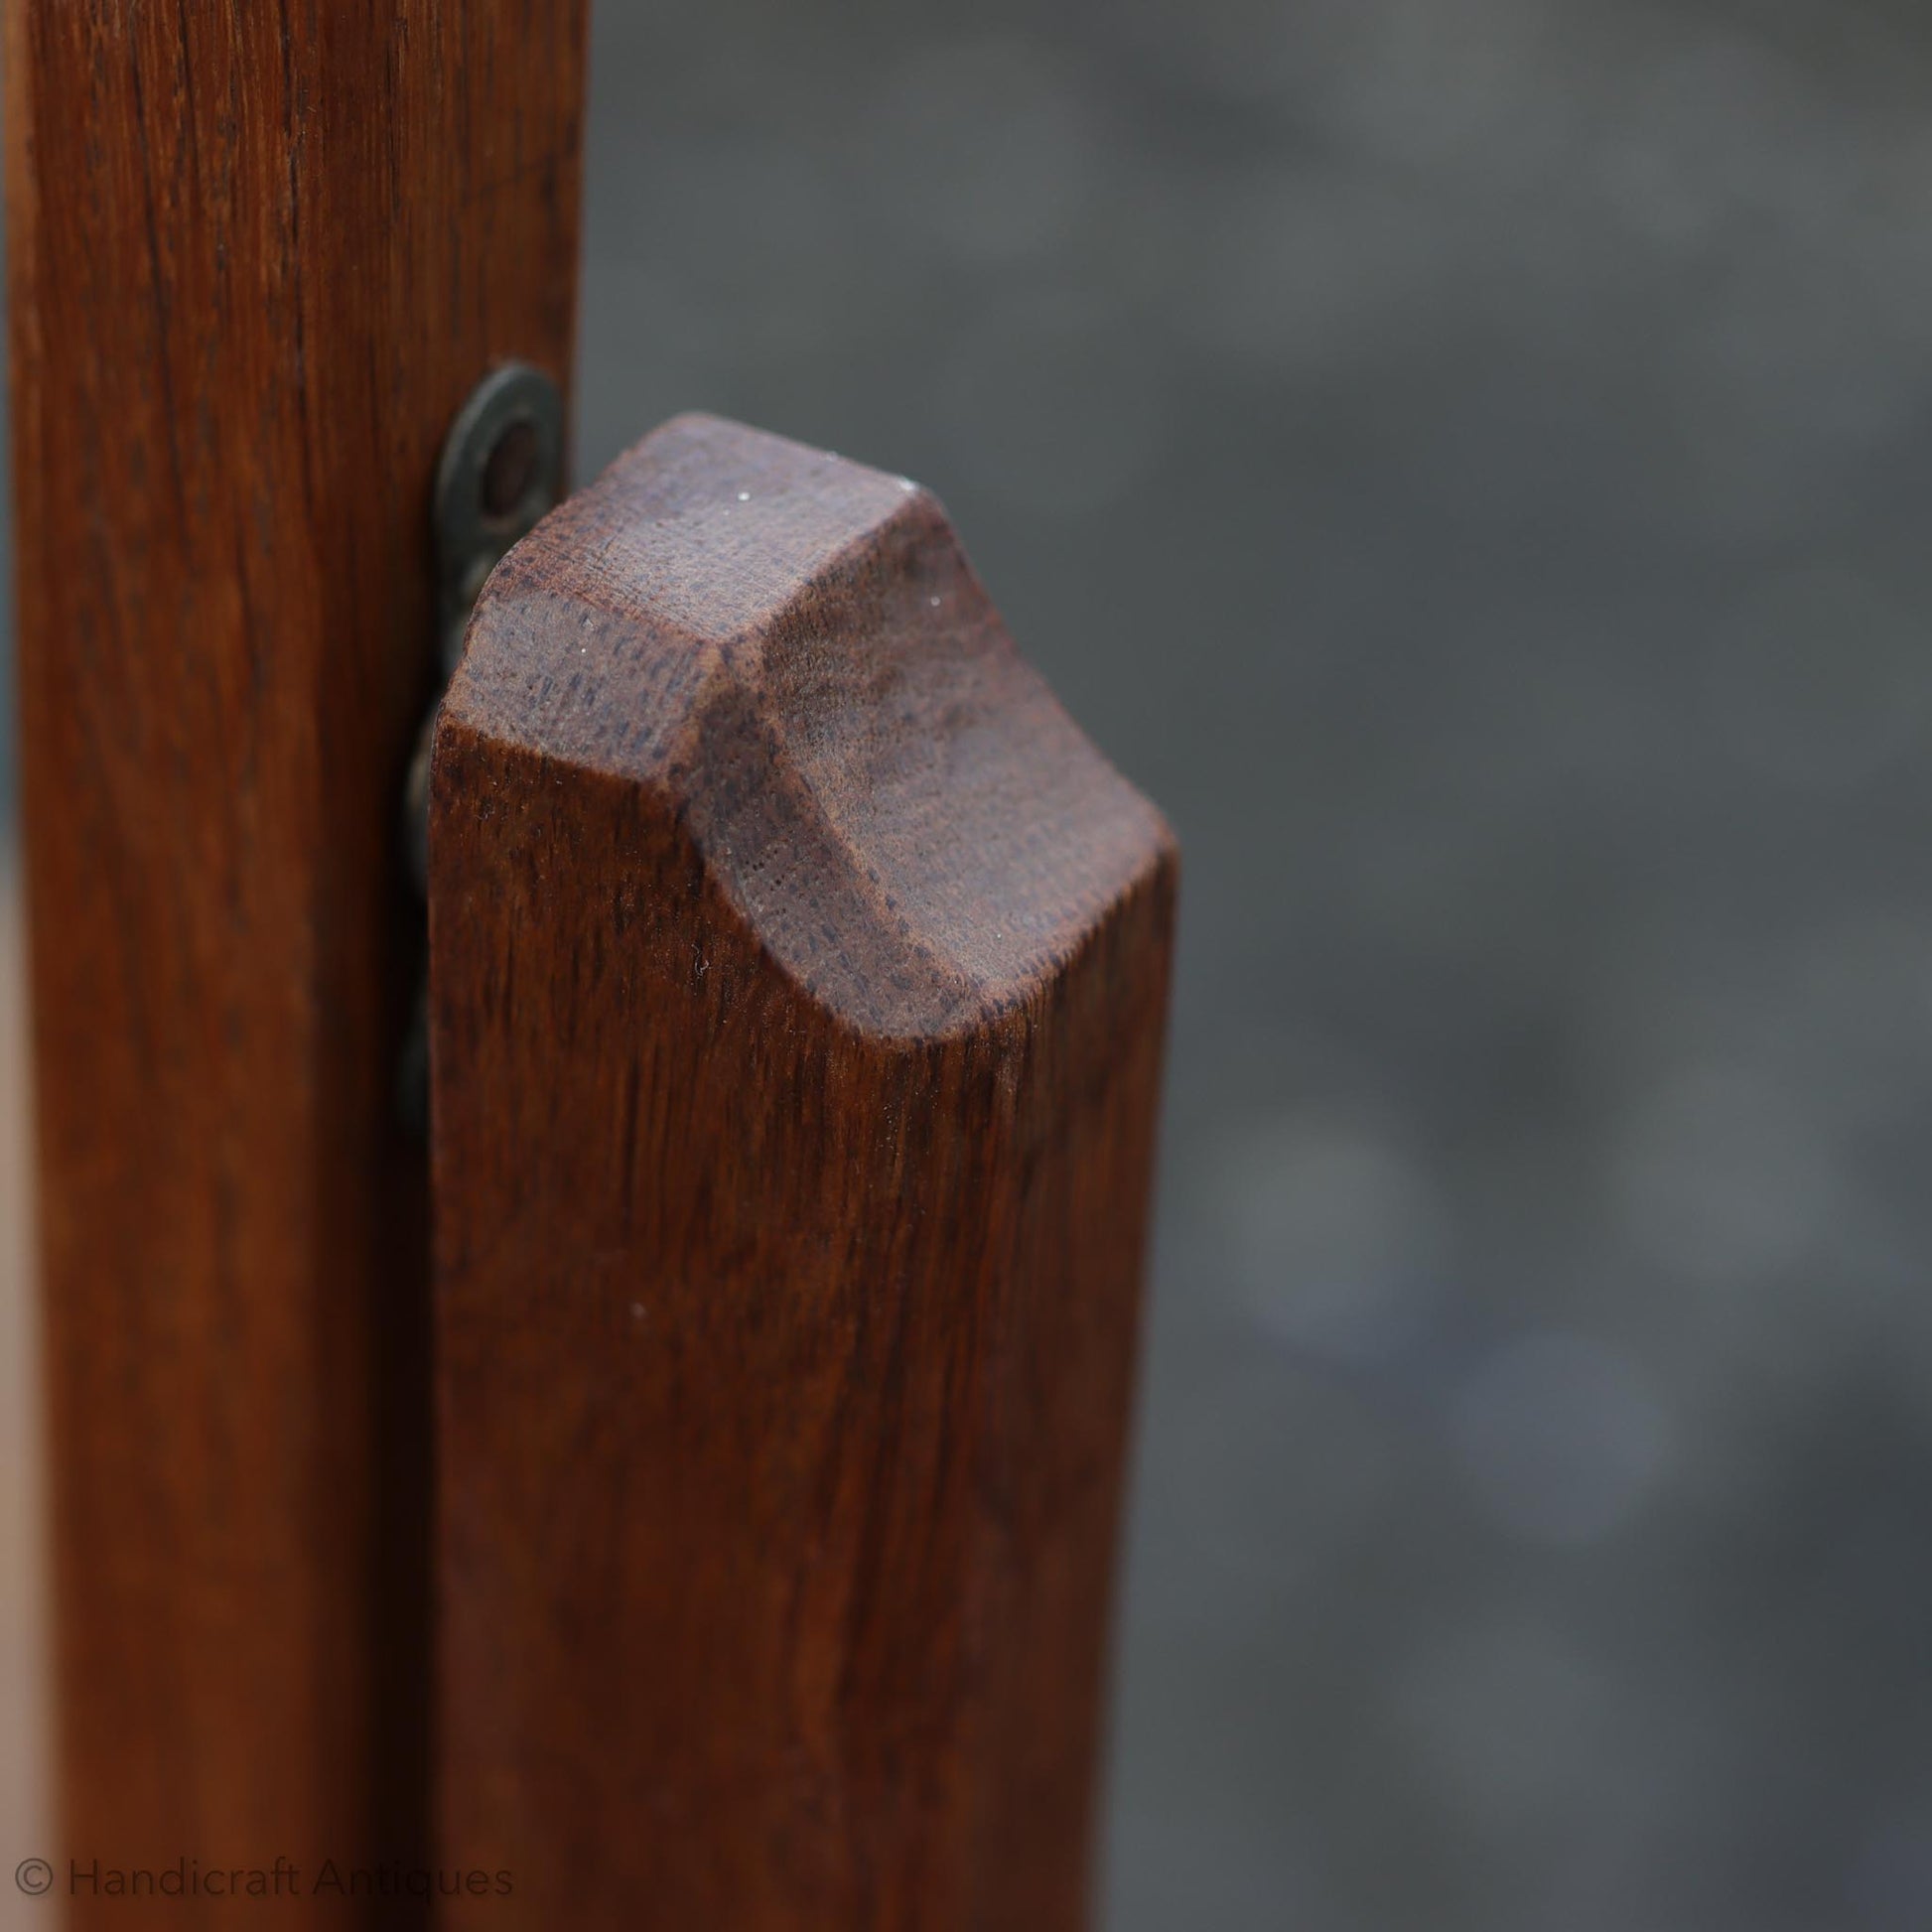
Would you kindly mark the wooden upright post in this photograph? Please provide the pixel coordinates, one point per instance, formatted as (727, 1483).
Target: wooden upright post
(258, 255)
(797, 984)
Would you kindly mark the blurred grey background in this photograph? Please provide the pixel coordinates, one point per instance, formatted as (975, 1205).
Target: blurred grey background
(1468, 460)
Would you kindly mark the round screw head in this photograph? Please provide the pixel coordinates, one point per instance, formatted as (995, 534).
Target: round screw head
(502, 467)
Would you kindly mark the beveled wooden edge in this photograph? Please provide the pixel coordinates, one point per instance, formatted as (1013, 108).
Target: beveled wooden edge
(673, 621)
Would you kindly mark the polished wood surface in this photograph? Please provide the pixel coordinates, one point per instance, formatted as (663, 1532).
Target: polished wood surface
(257, 257)
(798, 979)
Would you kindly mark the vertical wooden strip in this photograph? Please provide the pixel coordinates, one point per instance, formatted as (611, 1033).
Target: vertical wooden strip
(798, 979)
(258, 254)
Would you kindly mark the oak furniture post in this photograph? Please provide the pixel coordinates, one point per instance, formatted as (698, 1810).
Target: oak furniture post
(258, 255)
(798, 975)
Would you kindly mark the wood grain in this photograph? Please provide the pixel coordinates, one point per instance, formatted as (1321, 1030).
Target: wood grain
(258, 254)
(798, 979)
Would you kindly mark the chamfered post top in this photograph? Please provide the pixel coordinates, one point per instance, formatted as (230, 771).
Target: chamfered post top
(791, 654)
